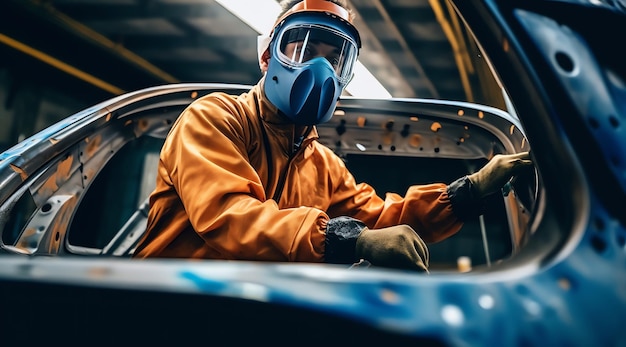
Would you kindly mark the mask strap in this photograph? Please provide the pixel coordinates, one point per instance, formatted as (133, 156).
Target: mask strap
(262, 44)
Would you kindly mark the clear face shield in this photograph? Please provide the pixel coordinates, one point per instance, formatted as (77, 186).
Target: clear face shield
(300, 43)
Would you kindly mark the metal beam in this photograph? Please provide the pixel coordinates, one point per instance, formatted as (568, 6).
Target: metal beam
(60, 65)
(86, 33)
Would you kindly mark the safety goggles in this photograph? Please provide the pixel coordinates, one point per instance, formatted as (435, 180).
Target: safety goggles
(299, 43)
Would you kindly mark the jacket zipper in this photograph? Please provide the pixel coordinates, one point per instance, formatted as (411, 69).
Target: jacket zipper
(295, 149)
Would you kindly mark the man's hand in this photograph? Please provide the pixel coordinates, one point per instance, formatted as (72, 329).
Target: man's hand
(396, 247)
(497, 172)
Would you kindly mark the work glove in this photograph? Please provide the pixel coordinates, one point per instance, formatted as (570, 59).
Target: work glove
(396, 247)
(497, 172)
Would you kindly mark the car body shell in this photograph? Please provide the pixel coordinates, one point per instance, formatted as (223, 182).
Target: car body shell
(562, 283)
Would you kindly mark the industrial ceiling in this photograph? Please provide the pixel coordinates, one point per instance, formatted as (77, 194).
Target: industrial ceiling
(414, 47)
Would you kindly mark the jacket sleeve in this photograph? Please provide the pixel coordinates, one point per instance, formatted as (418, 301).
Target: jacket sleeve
(427, 208)
(205, 156)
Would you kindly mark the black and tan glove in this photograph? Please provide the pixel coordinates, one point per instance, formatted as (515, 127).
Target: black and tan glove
(348, 240)
(397, 247)
(468, 192)
(497, 172)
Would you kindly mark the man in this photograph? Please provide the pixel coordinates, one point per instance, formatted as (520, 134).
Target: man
(244, 177)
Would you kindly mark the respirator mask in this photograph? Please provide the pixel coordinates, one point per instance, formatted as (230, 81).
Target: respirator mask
(312, 55)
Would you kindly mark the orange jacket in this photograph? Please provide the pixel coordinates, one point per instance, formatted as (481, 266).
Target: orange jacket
(214, 195)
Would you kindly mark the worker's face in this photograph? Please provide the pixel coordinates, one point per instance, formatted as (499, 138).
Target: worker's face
(296, 53)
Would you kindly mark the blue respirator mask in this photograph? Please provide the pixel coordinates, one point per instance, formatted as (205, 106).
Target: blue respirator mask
(312, 55)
